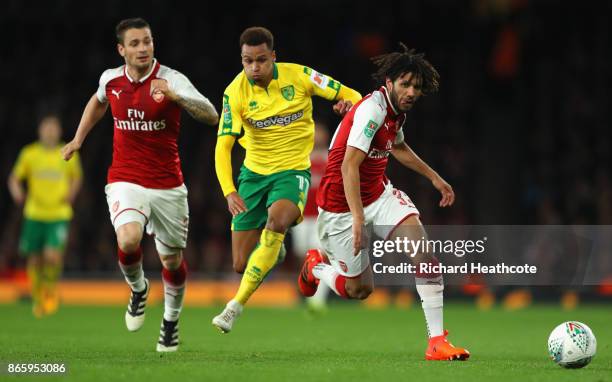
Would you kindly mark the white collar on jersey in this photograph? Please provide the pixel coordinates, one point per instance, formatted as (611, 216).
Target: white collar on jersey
(388, 99)
(143, 79)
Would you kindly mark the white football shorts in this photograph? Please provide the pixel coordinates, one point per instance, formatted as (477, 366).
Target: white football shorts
(336, 235)
(163, 213)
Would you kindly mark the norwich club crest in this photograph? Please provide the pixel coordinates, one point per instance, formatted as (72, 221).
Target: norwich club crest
(370, 129)
(288, 92)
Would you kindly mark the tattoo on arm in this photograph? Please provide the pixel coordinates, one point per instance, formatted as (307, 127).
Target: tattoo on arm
(200, 109)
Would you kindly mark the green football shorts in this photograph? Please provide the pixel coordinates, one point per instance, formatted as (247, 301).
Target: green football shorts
(260, 191)
(38, 235)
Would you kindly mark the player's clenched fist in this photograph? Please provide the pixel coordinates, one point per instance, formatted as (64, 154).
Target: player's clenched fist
(160, 89)
(342, 107)
(69, 149)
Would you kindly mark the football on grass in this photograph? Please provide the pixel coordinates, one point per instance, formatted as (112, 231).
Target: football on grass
(572, 345)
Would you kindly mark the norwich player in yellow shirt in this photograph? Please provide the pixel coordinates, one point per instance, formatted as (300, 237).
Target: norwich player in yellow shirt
(52, 185)
(271, 103)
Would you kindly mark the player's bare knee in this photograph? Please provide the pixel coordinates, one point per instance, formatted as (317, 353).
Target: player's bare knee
(351, 292)
(360, 292)
(351, 288)
(128, 243)
(239, 265)
(276, 225)
(53, 258)
(171, 262)
(128, 238)
(35, 260)
(357, 291)
(364, 292)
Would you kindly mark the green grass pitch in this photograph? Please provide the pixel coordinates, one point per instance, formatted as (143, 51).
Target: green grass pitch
(349, 343)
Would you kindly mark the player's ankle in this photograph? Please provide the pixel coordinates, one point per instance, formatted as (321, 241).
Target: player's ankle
(235, 305)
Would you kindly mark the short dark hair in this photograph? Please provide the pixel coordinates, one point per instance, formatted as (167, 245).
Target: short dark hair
(133, 23)
(49, 115)
(254, 36)
(395, 64)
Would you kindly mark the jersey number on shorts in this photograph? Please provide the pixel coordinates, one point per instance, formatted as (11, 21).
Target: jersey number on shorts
(303, 182)
(402, 198)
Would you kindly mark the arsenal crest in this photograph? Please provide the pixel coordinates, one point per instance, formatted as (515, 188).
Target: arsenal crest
(158, 96)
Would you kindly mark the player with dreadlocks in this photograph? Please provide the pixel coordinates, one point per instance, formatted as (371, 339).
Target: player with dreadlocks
(355, 193)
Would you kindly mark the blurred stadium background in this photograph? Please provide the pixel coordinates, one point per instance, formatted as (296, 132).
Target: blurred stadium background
(520, 127)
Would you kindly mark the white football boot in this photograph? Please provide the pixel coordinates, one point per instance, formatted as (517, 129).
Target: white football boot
(225, 320)
(135, 314)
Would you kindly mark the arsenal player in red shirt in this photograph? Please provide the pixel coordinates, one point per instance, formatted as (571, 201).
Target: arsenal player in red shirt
(304, 235)
(355, 192)
(145, 189)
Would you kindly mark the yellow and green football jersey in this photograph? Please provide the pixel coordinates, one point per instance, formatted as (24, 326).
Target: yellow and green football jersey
(48, 179)
(277, 121)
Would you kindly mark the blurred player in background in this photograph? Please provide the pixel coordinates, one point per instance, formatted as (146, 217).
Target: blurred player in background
(272, 102)
(355, 192)
(145, 187)
(304, 235)
(52, 186)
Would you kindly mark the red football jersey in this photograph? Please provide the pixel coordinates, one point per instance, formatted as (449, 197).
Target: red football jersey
(318, 162)
(372, 126)
(145, 149)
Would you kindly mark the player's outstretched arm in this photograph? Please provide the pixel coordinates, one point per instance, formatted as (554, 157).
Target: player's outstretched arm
(326, 87)
(182, 91)
(347, 94)
(407, 157)
(346, 97)
(352, 190)
(94, 111)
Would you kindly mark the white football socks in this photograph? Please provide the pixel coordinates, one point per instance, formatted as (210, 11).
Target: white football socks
(173, 300)
(320, 296)
(327, 274)
(134, 275)
(432, 300)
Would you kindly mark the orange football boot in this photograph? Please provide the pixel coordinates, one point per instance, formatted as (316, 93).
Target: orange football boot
(439, 349)
(306, 281)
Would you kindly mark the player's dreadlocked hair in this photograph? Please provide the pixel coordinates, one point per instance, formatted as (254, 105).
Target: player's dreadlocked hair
(395, 64)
